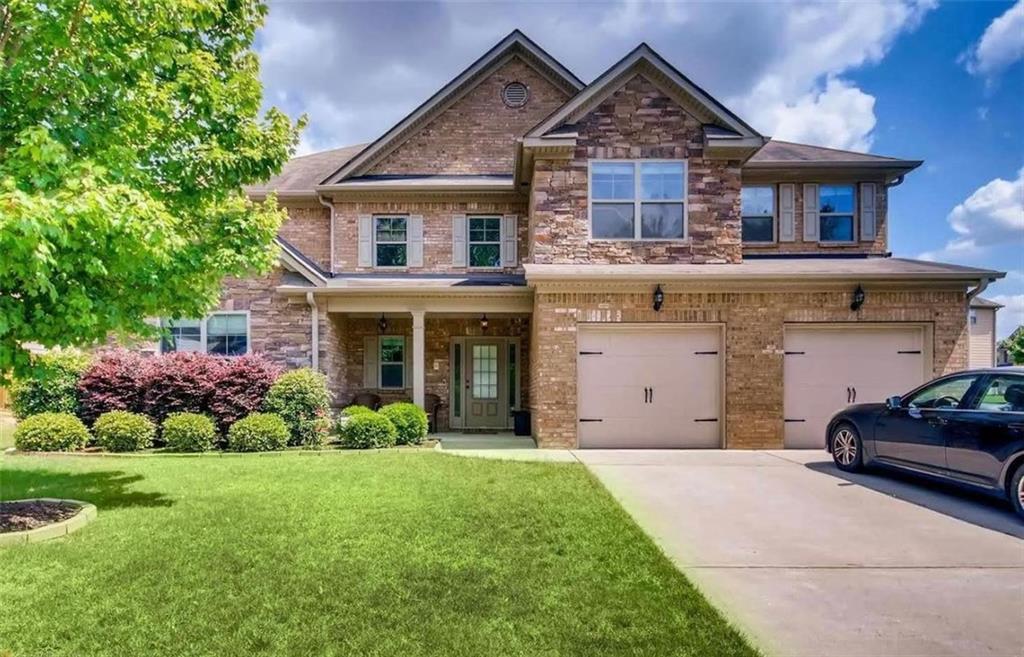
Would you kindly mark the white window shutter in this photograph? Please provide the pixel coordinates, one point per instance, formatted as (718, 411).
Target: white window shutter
(458, 240)
(407, 362)
(509, 240)
(811, 213)
(867, 212)
(415, 240)
(365, 240)
(371, 359)
(787, 210)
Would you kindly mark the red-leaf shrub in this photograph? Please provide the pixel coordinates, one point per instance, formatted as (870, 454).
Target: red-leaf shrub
(241, 388)
(179, 382)
(112, 383)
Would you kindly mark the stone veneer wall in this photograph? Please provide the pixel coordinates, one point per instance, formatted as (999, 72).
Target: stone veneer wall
(878, 246)
(438, 334)
(308, 228)
(638, 121)
(477, 134)
(280, 327)
(753, 350)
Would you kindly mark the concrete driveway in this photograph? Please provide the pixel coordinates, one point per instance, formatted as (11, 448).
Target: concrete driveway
(811, 561)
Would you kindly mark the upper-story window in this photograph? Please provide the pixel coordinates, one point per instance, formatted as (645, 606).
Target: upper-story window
(758, 213)
(390, 241)
(638, 199)
(220, 334)
(836, 213)
(974, 316)
(484, 242)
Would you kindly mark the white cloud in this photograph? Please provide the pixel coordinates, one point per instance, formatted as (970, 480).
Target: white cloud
(993, 215)
(1010, 316)
(838, 116)
(1000, 46)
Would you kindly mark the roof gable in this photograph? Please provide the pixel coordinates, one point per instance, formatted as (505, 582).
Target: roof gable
(515, 44)
(643, 60)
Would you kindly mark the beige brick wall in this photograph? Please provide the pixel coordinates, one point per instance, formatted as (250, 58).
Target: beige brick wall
(308, 227)
(638, 121)
(754, 337)
(477, 133)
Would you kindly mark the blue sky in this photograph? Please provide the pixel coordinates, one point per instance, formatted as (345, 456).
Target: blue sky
(909, 78)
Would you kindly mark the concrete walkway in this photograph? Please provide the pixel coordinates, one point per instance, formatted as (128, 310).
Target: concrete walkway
(812, 562)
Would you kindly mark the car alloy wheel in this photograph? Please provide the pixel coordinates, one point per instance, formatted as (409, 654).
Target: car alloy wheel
(844, 447)
(1020, 491)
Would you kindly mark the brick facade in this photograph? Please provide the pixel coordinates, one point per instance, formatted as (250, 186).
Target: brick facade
(754, 324)
(280, 327)
(308, 228)
(637, 122)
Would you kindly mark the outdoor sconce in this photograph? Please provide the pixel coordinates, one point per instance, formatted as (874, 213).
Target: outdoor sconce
(382, 323)
(659, 298)
(858, 299)
(483, 322)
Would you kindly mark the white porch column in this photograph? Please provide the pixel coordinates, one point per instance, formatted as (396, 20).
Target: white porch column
(419, 357)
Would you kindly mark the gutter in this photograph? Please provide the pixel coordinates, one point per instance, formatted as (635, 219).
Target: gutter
(329, 206)
(315, 323)
(982, 284)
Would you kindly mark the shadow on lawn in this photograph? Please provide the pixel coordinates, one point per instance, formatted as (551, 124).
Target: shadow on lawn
(107, 489)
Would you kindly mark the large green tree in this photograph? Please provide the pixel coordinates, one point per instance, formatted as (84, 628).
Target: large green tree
(127, 130)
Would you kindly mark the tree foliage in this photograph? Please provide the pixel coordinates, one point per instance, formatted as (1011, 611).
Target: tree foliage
(1015, 346)
(127, 131)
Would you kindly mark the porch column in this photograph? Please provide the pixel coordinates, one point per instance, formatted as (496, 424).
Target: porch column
(419, 363)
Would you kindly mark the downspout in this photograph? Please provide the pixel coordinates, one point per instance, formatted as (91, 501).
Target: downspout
(315, 323)
(895, 183)
(982, 284)
(329, 206)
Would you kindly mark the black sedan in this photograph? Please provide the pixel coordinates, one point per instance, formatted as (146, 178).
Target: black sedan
(966, 428)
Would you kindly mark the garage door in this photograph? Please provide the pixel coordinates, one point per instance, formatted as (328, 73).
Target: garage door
(827, 369)
(649, 386)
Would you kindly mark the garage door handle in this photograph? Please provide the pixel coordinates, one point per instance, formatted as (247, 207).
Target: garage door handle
(854, 395)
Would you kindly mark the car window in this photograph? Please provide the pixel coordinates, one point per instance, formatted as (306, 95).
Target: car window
(944, 394)
(1003, 393)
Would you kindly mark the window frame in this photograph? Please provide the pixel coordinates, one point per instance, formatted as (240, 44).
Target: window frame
(374, 242)
(774, 215)
(637, 200)
(381, 363)
(854, 209)
(204, 347)
(470, 242)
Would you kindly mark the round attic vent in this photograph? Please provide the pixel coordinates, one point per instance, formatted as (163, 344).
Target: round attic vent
(515, 94)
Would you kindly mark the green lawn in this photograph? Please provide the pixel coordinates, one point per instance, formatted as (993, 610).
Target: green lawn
(6, 430)
(389, 553)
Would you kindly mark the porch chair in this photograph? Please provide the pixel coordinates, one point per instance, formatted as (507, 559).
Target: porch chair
(367, 399)
(431, 404)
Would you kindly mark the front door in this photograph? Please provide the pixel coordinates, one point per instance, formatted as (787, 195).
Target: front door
(486, 395)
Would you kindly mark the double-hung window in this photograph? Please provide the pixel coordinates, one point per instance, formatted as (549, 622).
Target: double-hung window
(638, 200)
(484, 242)
(390, 241)
(758, 209)
(835, 213)
(220, 334)
(392, 362)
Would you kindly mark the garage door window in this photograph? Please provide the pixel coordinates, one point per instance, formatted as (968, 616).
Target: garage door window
(638, 200)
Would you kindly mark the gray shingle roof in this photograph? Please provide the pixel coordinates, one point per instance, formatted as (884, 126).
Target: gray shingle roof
(304, 173)
(978, 302)
(788, 153)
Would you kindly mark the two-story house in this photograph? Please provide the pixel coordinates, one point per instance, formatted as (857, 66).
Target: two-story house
(626, 259)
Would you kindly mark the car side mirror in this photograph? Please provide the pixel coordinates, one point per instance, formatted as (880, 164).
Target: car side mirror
(893, 403)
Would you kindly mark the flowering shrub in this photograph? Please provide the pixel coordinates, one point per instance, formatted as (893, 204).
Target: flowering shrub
(301, 398)
(52, 389)
(113, 382)
(241, 388)
(179, 382)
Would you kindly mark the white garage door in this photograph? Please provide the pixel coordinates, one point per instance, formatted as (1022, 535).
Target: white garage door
(649, 386)
(828, 368)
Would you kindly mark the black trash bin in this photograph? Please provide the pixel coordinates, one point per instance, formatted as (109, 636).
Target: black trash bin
(521, 423)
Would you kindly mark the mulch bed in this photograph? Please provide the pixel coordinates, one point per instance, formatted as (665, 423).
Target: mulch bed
(20, 516)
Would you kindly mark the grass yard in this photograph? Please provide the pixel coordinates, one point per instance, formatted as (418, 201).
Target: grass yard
(390, 553)
(6, 430)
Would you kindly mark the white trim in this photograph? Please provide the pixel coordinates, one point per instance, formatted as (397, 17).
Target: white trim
(381, 363)
(374, 243)
(637, 201)
(774, 215)
(204, 336)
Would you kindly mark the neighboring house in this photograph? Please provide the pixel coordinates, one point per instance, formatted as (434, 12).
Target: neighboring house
(1003, 351)
(626, 259)
(982, 320)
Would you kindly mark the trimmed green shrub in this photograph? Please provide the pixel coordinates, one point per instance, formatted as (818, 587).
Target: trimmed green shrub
(259, 432)
(355, 409)
(50, 432)
(124, 431)
(189, 432)
(52, 388)
(368, 431)
(410, 422)
(302, 400)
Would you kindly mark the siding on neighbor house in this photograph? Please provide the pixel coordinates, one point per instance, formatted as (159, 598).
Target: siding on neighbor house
(982, 338)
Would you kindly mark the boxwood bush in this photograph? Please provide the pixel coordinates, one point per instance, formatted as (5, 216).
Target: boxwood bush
(124, 431)
(302, 400)
(368, 431)
(189, 432)
(52, 386)
(259, 432)
(410, 422)
(50, 432)
(355, 409)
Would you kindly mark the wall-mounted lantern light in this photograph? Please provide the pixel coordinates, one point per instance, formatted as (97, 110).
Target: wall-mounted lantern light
(483, 322)
(382, 323)
(659, 298)
(858, 299)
